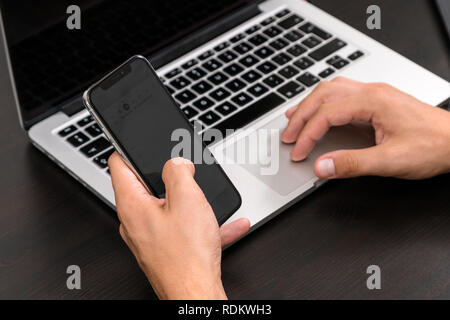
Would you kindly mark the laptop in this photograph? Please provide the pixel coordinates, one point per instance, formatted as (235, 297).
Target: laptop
(230, 64)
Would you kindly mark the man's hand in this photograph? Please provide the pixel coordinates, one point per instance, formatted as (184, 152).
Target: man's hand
(412, 138)
(176, 241)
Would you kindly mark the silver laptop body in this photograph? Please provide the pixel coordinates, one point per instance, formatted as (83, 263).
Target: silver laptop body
(353, 55)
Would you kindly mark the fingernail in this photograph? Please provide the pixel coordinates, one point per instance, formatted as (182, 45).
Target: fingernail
(325, 168)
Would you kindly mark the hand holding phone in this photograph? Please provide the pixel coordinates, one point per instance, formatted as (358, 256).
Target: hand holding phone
(139, 117)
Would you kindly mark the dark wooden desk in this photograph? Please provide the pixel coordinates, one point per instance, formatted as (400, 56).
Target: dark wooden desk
(320, 248)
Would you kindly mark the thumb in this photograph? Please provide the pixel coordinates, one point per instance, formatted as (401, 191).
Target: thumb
(351, 163)
(181, 188)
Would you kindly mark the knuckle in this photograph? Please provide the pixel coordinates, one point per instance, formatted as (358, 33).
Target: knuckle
(350, 165)
(325, 109)
(339, 79)
(324, 85)
(378, 89)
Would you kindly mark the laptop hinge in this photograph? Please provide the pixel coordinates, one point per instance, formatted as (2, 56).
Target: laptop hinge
(205, 34)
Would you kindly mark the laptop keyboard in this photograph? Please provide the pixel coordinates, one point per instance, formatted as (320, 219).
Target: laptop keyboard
(239, 80)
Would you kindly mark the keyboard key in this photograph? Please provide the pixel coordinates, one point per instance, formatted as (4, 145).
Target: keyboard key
(289, 72)
(189, 112)
(281, 59)
(253, 29)
(218, 78)
(209, 118)
(290, 22)
(264, 52)
(310, 28)
(249, 61)
(326, 73)
(272, 32)
(227, 56)
(233, 69)
(185, 96)
(311, 42)
(258, 90)
(293, 36)
(258, 39)
(304, 63)
(266, 67)
(102, 160)
(66, 131)
(78, 139)
(283, 13)
(220, 94)
(291, 89)
(212, 65)
(173, 73)
(251, 76)
(308, 79)
(180, 83)
(94, 130)
(237, 38)
(279, 44)
(243, 48)
(355, 55)
(189, 64)
(242, 99)
(267, 21)
(203, 103)
(337, 62)
(226, 108)
(196, 74)
(85, 121)
(297, 50)
(328, 49)
(250, 113)
(222, 46)
(201, 87)
(206, 55)
(273, 81)
(235, 85)
(95, 147)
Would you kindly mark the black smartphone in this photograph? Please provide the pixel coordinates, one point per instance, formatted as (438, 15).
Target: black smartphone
(145, 125)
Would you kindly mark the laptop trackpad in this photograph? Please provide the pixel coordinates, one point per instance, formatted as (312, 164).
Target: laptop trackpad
(263, 155)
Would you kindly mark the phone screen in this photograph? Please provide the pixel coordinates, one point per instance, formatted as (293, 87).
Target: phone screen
(141, 117)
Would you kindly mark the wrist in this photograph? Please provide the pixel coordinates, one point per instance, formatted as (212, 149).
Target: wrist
(214, 292)
(199, 289)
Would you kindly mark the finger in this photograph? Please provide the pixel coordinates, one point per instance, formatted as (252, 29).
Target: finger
(337, 113)
(353, 163)
(181, 188)
(234, 231)
(128, 189)
(323, 93)
(290, 112)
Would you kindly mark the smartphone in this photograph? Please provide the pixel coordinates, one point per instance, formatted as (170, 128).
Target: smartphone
(139, 117)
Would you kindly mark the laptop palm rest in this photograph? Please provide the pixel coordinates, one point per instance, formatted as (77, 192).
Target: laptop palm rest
(268, 159)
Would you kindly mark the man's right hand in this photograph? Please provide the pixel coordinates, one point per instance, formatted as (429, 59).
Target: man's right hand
(412, 138)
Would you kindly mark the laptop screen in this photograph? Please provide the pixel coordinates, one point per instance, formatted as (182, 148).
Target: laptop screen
(52, 63)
